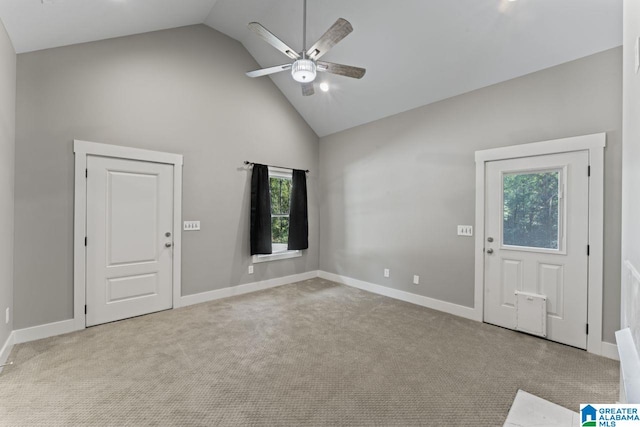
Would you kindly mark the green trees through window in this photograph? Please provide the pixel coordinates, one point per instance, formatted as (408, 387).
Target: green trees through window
(280, 202)
(530, 211)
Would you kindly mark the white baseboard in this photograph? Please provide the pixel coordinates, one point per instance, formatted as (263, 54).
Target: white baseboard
(5, 351)
(44, 331)
(446, 307)
(610, 351)
(243, 289)
(64, 327)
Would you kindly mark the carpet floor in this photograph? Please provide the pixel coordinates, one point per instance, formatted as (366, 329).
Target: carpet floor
(311, 353)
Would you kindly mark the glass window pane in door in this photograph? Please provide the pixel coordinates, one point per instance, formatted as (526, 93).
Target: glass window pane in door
(530, 211)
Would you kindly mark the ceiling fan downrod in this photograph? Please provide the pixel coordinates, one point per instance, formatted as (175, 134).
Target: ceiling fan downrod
(304, 70)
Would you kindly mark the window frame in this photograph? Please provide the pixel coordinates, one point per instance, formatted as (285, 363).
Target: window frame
(282, 254)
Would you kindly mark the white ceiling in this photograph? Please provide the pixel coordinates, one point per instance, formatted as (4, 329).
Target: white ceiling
(415, 51)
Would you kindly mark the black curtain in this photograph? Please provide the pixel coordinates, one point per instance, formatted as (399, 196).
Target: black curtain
(260, 211)
(298, 222)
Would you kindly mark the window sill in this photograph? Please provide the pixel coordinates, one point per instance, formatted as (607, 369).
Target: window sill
(276, 256)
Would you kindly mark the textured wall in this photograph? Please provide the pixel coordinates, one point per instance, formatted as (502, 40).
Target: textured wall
(182, 91)
(394, 190)
(7, 159)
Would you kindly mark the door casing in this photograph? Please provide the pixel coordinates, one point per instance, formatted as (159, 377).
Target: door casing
(594, 144)
(82, 149)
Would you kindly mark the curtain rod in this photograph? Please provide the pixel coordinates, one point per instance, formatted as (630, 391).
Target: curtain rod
(246, 162)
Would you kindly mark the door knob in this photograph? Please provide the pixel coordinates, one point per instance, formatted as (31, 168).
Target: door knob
(489, 251)
(168, 244)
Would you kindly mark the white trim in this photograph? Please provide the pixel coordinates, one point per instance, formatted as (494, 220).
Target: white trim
(256, 259)
(122, 152)
(280, 172)
(595, 145)
(177, 233)
(6, 349)
(44, 331)
(82, 149)
(610, 351)
(245, 289)
(66, 326)
(563, 145)
(629, 366)
(446, 307)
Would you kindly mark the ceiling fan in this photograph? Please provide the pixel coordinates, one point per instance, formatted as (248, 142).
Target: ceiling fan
(306, 63)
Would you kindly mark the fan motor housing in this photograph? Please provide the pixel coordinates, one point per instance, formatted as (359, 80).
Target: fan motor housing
(304, 70)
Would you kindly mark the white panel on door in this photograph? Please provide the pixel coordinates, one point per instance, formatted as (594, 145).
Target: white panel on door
(511, 281)
(551, 284)
(132, 213)
(123, 288)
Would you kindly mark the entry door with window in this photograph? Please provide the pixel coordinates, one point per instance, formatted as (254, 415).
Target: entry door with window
(129, 242)
(536, 231)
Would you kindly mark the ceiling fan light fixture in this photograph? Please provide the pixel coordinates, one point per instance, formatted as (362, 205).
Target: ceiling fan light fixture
(304, 70)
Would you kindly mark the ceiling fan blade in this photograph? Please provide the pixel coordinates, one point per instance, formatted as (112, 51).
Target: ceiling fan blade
(307, 89)
(274, 41)
(341, 70)
(271, 70)
(339, 30)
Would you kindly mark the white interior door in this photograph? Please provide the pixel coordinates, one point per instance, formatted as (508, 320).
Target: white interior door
(536, 231)
(129, 241)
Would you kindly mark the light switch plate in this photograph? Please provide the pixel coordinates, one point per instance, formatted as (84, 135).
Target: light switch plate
(416, 279)
(465, 230)
(191, 225)
(386, 272)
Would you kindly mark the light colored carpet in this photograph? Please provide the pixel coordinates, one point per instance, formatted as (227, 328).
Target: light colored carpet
(311, 353)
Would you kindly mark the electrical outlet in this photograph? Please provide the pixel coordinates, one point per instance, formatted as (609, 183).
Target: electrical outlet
(7, 315)
(386, 272)
(251, 269)
(465, 230)
(191, 225)
(416, 280)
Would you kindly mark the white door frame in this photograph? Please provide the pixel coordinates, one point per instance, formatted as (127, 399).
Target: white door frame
(82, 149)
(594, 144)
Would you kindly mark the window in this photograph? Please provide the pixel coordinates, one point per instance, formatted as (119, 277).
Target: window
(531, 209)
(280, 192)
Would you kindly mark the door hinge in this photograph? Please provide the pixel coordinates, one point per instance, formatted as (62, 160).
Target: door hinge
(589, 170)
(85, 240)
(587, 329)
(86, 173)
(85, 309)
(588, 250)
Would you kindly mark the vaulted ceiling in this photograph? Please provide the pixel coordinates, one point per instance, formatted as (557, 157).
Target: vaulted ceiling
(415, 51)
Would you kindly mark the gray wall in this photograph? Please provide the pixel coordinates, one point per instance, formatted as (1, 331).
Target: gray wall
(393, 191)
(182, 91)
(7, 159)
